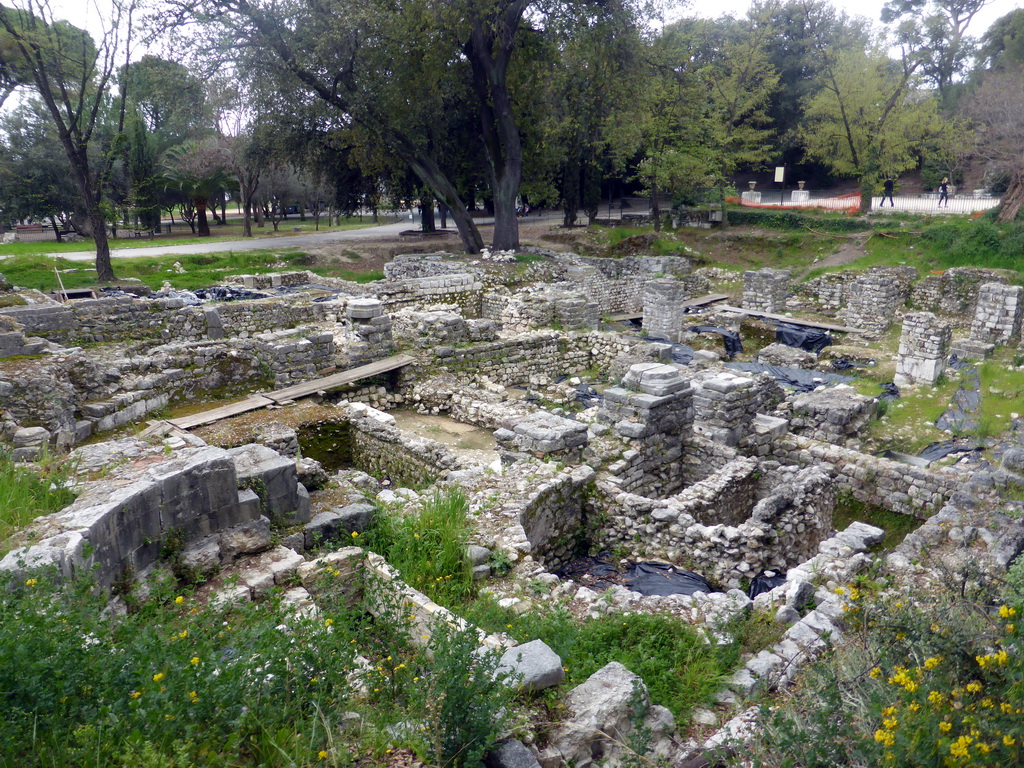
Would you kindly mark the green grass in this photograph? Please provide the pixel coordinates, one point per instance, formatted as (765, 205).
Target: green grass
(26, 494)
(200, 270)
(896, 526)
(428, 547)
(679, 669)
(233, 231)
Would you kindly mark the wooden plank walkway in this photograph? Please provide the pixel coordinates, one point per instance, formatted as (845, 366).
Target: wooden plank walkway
(251, 403)
(700, 301)
(792, 320)
(340, 379)
(254, 402)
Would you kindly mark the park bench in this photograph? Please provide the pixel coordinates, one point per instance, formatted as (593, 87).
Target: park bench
(28, 228)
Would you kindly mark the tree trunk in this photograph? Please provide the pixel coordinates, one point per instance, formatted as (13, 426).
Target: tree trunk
(246, 216)
(56, 230)
(443, 210)
(223, 209)
(1013, 199)
(489, 50)
(260, 216)
(104, 269)
(204, 225)
(655, 206)
(427, 215)
(867, 187)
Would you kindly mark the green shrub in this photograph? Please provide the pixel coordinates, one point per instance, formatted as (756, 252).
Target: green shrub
(428, 547)
(174, 683)
(935, 680)
(26, 494)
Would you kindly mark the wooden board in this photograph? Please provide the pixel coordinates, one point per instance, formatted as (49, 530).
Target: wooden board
(251, 403)
(341, 379)
(792, 320)
(700, 301)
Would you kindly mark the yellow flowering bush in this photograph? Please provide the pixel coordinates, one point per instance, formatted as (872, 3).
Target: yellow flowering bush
(920, 684)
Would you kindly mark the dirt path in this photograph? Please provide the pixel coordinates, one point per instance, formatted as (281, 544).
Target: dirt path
(853, 248)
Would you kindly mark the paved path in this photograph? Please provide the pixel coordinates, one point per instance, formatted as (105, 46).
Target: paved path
(249, 244)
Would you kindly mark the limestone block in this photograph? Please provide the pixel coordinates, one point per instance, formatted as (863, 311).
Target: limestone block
(532, 666)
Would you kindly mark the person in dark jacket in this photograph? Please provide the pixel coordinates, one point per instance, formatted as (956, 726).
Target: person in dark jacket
(944, 192)
(887, 189)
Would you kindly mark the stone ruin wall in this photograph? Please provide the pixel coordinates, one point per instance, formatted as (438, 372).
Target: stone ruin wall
(553, 517)
(120, 527)
(778, 532)
(879, 482)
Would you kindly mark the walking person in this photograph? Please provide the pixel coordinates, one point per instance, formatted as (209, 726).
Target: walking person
(944, 193)
(887, 189)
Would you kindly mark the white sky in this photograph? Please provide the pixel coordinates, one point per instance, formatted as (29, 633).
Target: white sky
(88, 13)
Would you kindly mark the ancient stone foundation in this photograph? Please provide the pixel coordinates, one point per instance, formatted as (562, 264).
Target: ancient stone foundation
(924, 348)
(765, 290)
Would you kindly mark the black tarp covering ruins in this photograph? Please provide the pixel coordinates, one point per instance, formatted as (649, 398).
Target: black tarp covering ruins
(765, 583)
(802, 337)
(649, 579)
(733, 345)
(663, 579)
(680, 353)
(795, 378)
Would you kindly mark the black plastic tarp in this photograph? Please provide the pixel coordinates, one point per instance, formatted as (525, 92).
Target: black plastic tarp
(796, 378)
(964, 412)
(663, 579)
(733, 345)
(937, 451)
(681, 354)
(889, 391)
(224, 293)
(802, 337)
(763, 583)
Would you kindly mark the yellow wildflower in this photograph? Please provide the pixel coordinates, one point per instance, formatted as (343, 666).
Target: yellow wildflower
(936, 698)
(136, 694)
(168, 717)
(885, 738)
(322, 754)
(328, 622)
(984, 748)
(875, 673)
(974, 686)
(179, 600)
(355, 534)
(932, 662)
(1010, 628)
(945, 727)
(194, 660)
(30, 582)
(158, 677)
(1006, 612)
(890, 724)
(183, 634)
(1008, 740)
(888, 711)
(913, 706)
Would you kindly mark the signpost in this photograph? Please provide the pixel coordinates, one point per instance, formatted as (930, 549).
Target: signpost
(780, 178)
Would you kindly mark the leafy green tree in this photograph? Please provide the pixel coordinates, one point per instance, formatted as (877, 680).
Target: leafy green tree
(198, 171)
(170, 100)
(70, 73)
(867, 119)
(33, 169)
(1002, 45)
(935, 32)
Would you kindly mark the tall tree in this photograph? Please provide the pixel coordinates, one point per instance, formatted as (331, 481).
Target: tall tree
(998, 108)
(1002, 45)
(936, 31)
(33, 169)
(71, 74)
(866, 119)
(197, 170)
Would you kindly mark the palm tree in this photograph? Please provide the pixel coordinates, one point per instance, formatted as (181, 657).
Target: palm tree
(197, 169)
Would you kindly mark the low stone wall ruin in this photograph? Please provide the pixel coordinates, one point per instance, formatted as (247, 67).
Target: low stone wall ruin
(873, 480)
